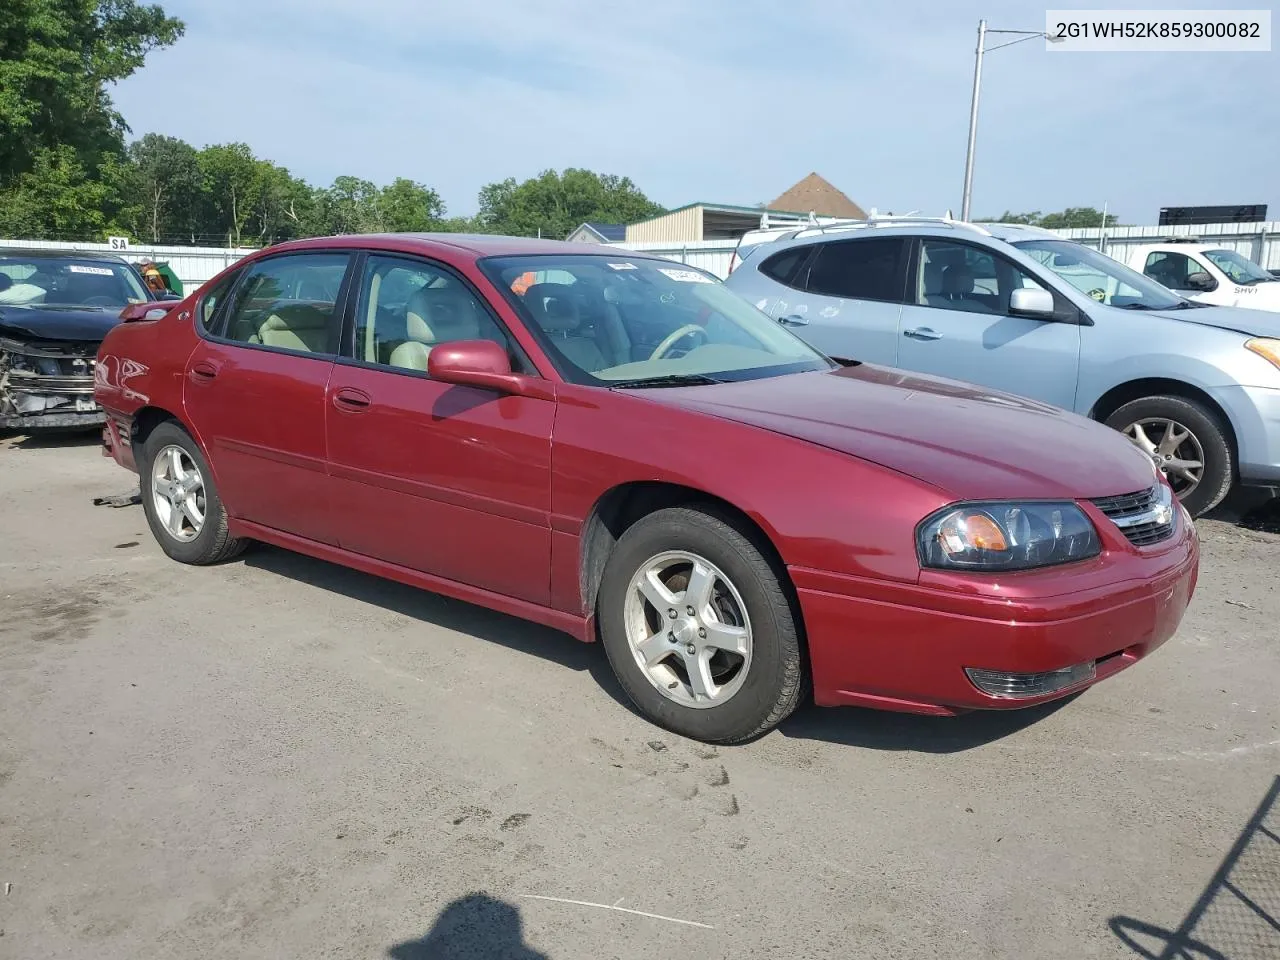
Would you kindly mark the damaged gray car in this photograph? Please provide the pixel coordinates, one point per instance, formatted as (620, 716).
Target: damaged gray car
(55, 308)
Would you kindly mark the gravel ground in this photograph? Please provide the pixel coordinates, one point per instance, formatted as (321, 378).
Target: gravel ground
(280, 758)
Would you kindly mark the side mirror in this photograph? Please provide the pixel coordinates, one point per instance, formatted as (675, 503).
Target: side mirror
(1030, 302)
(1201, 281)
(148, 310)
(478, 363)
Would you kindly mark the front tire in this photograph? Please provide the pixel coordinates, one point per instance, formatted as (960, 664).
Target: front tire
(1188, 443)
(181, 501)
(699, 629)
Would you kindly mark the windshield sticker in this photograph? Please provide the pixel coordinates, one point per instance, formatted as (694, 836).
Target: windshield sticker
(623, 266)
(96, 271)
(685, 276)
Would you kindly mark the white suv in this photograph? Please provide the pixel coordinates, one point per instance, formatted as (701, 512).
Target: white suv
(1207, 273)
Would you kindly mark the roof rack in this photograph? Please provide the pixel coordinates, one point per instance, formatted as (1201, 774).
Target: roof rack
(874, 219)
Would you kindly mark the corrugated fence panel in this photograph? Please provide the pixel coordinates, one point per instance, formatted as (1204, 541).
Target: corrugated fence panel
(1257, 241)
(710, 255)
(193, 265)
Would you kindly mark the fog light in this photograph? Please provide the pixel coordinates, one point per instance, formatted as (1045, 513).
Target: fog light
(1018, 686)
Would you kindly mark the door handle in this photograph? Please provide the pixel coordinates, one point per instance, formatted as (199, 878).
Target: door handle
(922, 333)
(351, 400)
(793, 320)
(202, 372)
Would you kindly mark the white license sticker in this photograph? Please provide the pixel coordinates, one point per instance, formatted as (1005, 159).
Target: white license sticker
(623, 266)
(96, 271)
(85, 404)
(685, 276)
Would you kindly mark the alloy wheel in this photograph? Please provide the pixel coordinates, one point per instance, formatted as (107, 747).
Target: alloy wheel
(1173, 448)
(688, 629)
(177, 493)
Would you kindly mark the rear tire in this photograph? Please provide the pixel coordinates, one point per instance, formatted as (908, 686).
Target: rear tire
(173, 470)
(1144, 422)
(743, 629)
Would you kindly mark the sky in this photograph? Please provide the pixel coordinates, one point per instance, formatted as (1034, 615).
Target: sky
(722, 101)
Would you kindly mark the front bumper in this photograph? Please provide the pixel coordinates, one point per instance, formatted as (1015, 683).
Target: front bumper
(906, 647)
(47, 385)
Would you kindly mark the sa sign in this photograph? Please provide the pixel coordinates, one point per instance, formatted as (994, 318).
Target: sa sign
(118, 243)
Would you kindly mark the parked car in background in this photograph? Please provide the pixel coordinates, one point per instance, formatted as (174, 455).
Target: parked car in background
(55, 308)
(1019, 309)
(1207, 273)
(617, 446)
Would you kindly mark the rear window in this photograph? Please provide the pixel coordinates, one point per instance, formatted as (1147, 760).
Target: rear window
(860, 269)
(782, 266)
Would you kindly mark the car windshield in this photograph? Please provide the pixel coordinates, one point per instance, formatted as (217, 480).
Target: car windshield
(1098, 276)
(1239, 269)
(639, 322)
(68, 282)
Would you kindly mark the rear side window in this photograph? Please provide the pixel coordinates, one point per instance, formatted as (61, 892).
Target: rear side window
(209, 304)
(289, 303)
(782, 266)
(870, 269)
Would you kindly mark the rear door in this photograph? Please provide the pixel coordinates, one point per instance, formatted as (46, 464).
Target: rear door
(845, 298)
(255, 391)
(957, 324)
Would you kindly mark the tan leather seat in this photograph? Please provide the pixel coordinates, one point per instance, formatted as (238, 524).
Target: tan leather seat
(297, 327)
(411, 355)
(557, 314)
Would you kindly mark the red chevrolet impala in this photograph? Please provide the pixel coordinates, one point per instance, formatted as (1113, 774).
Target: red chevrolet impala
(618, 447)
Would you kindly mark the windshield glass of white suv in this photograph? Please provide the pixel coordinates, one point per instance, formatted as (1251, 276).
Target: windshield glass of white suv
(1099, 277)
(1240, 269)
(55, 281)
(635, 322)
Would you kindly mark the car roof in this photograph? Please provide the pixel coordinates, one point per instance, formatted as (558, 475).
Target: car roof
(42, 253)
(477, 244)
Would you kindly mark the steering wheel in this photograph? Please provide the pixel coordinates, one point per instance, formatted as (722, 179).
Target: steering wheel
(673, 338)
(98, 302)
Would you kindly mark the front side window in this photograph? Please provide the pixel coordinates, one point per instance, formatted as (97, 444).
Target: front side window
(1171, 269)
(68, 282)
(406, 307)
(1099, 277)
(1240, 269)
(632, 321)
(859, 269)
(289, 302)
(958, 276)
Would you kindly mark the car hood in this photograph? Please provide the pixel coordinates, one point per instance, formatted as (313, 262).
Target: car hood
(968, 441)
(40, 322)
(1254, 323)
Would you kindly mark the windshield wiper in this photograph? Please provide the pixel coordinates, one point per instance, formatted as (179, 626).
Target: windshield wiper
(669, 380)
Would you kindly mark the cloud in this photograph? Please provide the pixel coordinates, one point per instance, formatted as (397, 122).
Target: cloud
(714, 100)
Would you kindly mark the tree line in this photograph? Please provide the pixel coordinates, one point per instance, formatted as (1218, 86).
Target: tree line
(68, 171)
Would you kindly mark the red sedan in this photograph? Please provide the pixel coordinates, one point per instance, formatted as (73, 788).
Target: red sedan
(618, 447)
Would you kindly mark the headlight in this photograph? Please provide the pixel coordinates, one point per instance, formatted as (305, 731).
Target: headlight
(1265, 347)
(1006, 536)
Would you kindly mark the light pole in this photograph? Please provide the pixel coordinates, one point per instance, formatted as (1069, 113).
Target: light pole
(977, 89)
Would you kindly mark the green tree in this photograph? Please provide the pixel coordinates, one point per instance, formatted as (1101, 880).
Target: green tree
(408, 207)
(1070, 217)
(57, 199)
(57, 58)
(231, 182)
(555, 203)
(164, 182)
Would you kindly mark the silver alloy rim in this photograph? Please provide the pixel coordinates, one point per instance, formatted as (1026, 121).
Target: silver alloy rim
(177, 493)
(688, 629)
(1173, 448)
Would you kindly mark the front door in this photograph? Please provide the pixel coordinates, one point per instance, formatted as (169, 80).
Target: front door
(450, 480)
(956, 324)
(255, 392)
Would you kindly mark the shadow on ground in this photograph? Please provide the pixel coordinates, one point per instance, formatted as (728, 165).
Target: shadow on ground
(1251, 509)
(1237, 915)
(52, 438)
(848, 726)
(474, 927)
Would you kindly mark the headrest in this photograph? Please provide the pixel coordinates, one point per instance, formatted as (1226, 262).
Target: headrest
(957, 278)
(552, 307)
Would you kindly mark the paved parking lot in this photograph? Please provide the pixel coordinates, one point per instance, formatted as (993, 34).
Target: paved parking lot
(279, 758)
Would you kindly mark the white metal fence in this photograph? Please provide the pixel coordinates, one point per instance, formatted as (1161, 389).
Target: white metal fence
(193, 265)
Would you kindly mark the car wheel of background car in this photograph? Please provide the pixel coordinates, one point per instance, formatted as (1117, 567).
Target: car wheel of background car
(180, 500)
(698, 628)
(1186, 441)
